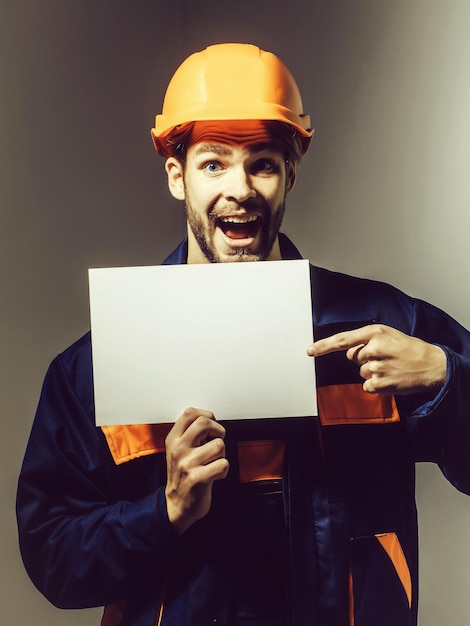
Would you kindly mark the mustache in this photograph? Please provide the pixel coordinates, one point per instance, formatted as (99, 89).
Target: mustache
(251, 207)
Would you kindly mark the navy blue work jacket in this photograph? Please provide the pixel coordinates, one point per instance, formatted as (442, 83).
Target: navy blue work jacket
(315, 524)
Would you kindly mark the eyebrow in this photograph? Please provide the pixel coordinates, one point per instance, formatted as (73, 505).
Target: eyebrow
(224, 150)
(216, 148)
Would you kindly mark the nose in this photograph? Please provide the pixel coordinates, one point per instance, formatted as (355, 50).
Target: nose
(239, 185)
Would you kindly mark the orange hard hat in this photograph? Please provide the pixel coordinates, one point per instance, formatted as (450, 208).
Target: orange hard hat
(230, 81)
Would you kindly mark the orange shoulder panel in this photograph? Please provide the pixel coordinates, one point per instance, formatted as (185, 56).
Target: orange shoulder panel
(350, 404)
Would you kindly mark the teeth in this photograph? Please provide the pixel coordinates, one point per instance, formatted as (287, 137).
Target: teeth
(239, 220)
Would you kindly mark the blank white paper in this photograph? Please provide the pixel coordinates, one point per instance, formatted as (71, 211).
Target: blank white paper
(227, 337)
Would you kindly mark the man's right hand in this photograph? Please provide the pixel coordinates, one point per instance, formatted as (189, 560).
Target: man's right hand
(195, 457)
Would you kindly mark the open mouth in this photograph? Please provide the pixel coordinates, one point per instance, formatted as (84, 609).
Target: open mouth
(240, 227)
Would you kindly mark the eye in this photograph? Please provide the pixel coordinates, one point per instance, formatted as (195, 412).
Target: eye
(264, 166)
(212, 167)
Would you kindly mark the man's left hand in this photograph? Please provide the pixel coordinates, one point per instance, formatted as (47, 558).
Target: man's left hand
(389, 361)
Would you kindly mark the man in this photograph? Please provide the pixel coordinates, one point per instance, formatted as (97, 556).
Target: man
(307, 521)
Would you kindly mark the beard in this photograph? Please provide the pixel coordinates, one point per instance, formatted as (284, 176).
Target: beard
(204, 233)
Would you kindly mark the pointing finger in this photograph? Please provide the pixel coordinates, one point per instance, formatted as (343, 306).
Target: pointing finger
(342, 341)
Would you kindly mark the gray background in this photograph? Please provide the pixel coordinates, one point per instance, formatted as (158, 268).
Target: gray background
(383, 193)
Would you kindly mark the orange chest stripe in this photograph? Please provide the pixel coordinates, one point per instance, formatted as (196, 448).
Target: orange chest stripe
(131, 442)
(257, 460)
(260, 460)
(350, 404)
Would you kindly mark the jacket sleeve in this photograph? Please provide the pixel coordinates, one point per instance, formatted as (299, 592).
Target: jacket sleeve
(440, 424)
(84, 540)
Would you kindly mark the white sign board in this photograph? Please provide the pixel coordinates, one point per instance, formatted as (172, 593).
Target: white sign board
(227, 337)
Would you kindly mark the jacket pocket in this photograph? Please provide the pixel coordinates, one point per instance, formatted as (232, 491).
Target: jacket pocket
(380, 582)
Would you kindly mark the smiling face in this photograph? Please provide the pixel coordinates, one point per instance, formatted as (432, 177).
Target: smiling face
(235, 199)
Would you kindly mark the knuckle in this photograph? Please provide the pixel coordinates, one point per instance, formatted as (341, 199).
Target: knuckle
(171, 455)
(208, 425)
(220, 469)
(369, 387)
(204, 421)
(219, 445)
(183, 465)
(172, 444)
(225, 466)
(171, 448)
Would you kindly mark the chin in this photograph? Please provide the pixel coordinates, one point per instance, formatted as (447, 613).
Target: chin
(240, 255)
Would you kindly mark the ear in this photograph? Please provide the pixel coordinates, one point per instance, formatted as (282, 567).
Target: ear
(174, 170)
(290, 176)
